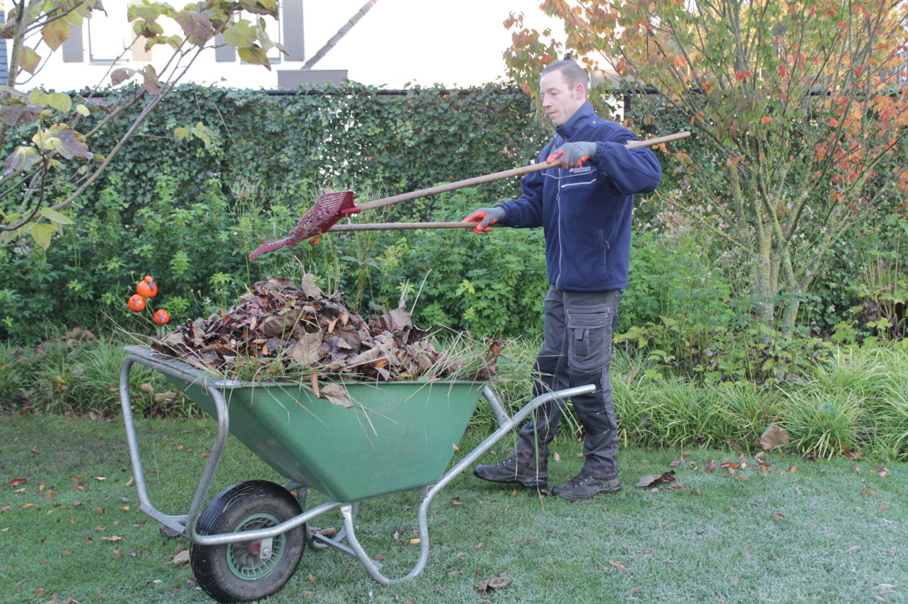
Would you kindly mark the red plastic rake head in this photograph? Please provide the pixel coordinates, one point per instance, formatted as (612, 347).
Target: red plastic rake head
(328, 209)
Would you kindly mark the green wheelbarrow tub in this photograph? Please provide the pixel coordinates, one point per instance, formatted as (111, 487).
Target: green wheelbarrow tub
(397, 436)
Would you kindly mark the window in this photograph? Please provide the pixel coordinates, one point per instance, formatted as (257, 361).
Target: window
(109, 35)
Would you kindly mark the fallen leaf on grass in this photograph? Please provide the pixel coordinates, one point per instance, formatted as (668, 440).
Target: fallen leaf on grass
(651, 479)
(618, 565)
(499, 582)
(883, 587)
(181, 558)
(17, 481)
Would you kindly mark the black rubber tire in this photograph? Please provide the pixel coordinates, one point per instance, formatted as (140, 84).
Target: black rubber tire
(219, 569)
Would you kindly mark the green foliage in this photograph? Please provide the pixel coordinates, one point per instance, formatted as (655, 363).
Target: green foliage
(852, 403)
(189, 213)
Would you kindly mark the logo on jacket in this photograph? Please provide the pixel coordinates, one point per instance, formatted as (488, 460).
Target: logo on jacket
(581, 170)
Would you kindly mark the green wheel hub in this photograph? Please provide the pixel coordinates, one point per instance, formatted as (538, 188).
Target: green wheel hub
(245, 559)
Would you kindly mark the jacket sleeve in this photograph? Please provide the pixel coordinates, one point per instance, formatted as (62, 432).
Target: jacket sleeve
(632, 171)
(526, 210)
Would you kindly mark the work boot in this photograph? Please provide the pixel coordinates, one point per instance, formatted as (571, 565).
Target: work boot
(513, 469)
(584, 486)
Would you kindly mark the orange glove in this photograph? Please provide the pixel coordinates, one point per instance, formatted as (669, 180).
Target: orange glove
(485, 217)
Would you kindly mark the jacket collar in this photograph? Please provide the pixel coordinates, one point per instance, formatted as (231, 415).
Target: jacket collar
(570, 127)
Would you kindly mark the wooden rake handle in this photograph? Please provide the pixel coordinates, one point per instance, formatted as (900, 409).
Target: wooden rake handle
(478, 180)
(401, 226)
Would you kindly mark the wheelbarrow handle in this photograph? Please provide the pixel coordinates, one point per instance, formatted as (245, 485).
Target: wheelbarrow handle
(478, 180)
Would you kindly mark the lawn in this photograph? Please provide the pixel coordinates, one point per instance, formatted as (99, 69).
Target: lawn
(770, 529)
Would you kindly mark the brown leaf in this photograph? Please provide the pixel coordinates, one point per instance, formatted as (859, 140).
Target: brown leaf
(150, 80)
(195, 24)
(19, 115)
(181, 558)
(121, 75)
(651, 479)
(55, 33)
(336, 394)
(310, 289)
(306, 351)
(772, 437)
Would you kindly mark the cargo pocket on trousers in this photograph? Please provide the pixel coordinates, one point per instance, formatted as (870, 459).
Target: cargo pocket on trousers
(588, 341)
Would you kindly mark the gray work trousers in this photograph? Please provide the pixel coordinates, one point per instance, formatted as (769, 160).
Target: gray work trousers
(576, 351)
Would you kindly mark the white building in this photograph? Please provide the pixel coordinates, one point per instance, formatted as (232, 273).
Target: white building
(421, 42)
(97, 47)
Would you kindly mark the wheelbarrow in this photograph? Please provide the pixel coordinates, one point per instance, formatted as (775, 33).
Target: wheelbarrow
(398, 436)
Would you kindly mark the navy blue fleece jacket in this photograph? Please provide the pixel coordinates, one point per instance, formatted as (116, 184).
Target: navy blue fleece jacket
(586, 212)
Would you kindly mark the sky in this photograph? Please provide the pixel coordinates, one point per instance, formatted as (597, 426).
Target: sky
(448, 42)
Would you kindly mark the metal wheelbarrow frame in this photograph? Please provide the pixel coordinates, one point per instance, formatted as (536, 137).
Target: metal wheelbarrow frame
(214, 390)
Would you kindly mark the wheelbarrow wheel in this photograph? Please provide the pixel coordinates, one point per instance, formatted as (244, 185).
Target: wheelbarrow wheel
(248, 570)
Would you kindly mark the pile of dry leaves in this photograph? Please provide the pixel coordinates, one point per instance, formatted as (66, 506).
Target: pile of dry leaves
(280, 328)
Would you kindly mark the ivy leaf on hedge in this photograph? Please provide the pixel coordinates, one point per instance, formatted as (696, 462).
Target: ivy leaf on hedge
(22, 158)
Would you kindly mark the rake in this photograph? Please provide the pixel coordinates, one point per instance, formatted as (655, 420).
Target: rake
(331, 207)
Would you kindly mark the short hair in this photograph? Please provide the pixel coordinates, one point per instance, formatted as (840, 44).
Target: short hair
(572, 72)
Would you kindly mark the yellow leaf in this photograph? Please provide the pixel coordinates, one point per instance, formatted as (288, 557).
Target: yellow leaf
(55, 33)
(29, 60)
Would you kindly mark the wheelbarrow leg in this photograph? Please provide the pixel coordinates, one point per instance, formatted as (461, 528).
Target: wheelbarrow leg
(183, 524)
(348, 511)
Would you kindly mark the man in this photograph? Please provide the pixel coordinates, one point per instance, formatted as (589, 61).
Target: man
(584, 204)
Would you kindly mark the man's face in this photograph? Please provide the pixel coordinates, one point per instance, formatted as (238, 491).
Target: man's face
(559, 100)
